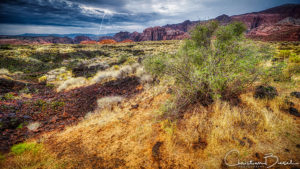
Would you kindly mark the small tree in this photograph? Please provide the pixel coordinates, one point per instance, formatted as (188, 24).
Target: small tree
(216, 62)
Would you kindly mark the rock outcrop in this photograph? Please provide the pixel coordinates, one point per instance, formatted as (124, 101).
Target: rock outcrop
(224, 18)
(150, 34)
(121, 36)
(79, 39)
(277, 32)
(135, 36)
(184, 26)
(161, 33)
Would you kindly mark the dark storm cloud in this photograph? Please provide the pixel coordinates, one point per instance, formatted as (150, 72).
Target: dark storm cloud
(40, 13)
(67, 13)
(115, 4)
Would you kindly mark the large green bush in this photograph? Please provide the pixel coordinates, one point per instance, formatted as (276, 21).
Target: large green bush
(216, 62)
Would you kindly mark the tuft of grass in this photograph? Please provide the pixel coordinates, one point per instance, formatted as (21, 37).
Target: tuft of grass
(23, 147)
(72, 83)
(109, 101)
(116, 67)
(103, 76)
(33, 126)
(42, 79)
(168, 126)
(146, 79)
(40, 103)
(4, 71)
(122, 59)
(56, 104)
(20, 126)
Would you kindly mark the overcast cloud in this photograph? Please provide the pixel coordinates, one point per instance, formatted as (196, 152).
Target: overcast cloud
(86, 16)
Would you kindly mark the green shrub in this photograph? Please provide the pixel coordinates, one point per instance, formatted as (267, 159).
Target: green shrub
(201, 34)
(156, 64)
(123, 59)
(19, 149)
(217, 62)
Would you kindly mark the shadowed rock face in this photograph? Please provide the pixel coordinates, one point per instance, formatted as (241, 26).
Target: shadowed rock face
(161, 33)
(184, 26)
(121, 36)
(135, 36)
(152, 34)
(223, 18)
(79, 39)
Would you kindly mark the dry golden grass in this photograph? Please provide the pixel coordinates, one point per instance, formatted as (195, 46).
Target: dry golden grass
(127, 137)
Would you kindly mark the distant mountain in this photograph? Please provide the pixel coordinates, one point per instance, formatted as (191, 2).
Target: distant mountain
(73, 35)
(34, 40)
(49, 38)
(285, 10)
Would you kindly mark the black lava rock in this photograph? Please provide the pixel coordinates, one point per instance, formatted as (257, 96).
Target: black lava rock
(294, 112)
(267, 92)
(296, 94)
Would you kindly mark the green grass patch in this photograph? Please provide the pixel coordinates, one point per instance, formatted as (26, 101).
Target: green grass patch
(19, 149)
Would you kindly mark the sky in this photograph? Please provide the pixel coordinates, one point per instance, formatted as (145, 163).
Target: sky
(111, 16)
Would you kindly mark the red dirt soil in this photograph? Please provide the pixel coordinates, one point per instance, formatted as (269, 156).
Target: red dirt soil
(107, 41)
(88, 42)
